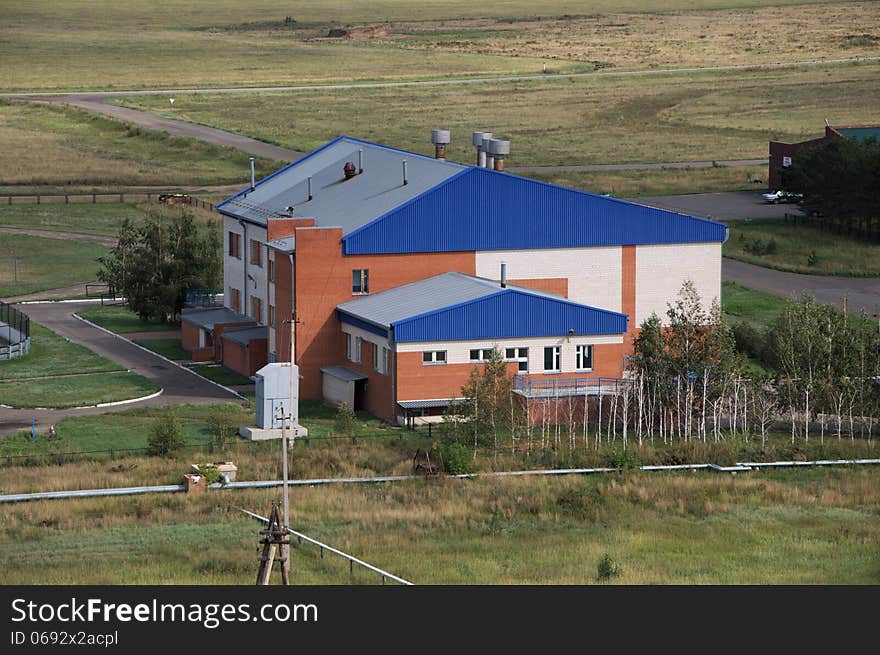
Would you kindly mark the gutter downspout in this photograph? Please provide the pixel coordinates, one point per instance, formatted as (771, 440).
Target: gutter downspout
(392, 364)
(244, 258)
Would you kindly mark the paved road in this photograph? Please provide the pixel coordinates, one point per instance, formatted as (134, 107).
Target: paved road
(179, 385)
(731, 205)
(637, 166)
(861, 293)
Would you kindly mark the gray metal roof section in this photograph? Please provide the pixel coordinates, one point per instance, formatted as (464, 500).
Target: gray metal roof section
(343, 373)
(337, 201)
(245, 335)
(285, 244)
(208, 318)
(431, 294)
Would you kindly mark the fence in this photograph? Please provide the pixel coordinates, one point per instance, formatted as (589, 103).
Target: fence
(95, 198)
(15, 332)
(564, 387)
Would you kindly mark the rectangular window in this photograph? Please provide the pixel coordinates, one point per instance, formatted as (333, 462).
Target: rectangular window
(520, 356)
(234, 240)
(386, 356)
(584, 358)
(552, 356)
(375, 356)
(360, 281)
(257, 309)
(353, 348)
(234, 299)
(434, 357)
(481, 354)
(272, 315)
(270, 269)
(256, 253)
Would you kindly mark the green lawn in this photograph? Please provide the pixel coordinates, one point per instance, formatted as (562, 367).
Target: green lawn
(52, 354)
(109, 45)
(583, 121)
(793, 527)
(102, 219)
(169, 348)
(650, 182)
(63, 146)
(788, 246)
(121, 319)
(45, 263)
(757, 308)
(75, 390)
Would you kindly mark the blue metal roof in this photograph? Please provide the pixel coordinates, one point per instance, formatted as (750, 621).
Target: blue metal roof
(479, 209)
(458, 307)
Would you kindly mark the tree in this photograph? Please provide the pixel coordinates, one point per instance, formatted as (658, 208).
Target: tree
(165, 436)
(156, 262)
(487, 409)
(345, 422)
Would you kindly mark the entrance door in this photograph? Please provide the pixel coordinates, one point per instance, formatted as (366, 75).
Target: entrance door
(360, 393)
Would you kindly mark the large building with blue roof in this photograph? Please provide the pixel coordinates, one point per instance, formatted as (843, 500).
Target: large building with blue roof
(392, 263)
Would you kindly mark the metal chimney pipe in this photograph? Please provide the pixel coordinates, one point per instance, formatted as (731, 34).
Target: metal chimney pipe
(503, 275)
(310, 187)
(360, 161)
(253, 175)
(478, 138)
(405, 180)
(440, 139)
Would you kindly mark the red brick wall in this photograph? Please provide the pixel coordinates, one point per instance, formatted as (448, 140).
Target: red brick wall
(415, 381)
(218, 338)
(278, 228)
(189, 336)
(322, 280)
(245, 360)
(779, 150)
(377, 399)
(557, 285)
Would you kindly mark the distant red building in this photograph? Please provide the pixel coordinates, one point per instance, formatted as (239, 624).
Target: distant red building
(782, 155)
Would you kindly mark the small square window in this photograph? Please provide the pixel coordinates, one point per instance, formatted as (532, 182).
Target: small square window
(584, 357)
(552, 356)
(360, 281)
(434, 357)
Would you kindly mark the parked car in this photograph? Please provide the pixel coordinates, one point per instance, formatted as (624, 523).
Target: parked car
(782, 197)
(175, 199)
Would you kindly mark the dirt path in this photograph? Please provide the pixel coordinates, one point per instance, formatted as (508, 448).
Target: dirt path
(179, 386)
(67, 236)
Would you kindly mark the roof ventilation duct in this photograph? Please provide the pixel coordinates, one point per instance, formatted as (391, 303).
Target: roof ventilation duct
(498, 150)
(349, 170)
(478, 138)
(440, 139)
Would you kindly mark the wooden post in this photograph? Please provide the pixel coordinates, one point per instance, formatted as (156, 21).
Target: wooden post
(93, 199)
(66, 199)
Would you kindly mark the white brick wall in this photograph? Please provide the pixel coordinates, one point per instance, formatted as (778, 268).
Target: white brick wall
(594, 274)
(233, 268)
(662, 269)
(458, 352)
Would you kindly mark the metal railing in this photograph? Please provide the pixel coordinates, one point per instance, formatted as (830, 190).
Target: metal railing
(15, 332)
(565, 387)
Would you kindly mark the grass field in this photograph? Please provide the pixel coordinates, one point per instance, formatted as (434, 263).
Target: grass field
(45, 263)
(56, 145)
(740, 303)
(655, 182)
(807, 527)
(108, 45)
(101, 219)
(120, 319)
(794, 245)
(220, 374)
(582, 121)
(169, 348)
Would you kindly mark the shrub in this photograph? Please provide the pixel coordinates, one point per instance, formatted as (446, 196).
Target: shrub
(223, 428)
(345, 422)
(607, 568)
(165, 436)
(748, 340)
(813, 258)
(457, 458)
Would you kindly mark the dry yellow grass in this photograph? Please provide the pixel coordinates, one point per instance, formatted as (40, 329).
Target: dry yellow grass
(722, 37)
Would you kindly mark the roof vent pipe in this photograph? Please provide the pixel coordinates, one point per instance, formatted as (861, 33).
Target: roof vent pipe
(405, 180)
(360, 161)
(499, 149)
(477, 140)
(348, 170)
(310, 188)
(253, 175)
(440, 139)
(503, 275)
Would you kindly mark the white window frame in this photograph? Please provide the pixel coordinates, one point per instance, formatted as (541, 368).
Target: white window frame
(353, 348)
(483, 353)
(434, 359)
(386, 360)
(518, 358)
(364, 282)
(557, 356)
(579, 356)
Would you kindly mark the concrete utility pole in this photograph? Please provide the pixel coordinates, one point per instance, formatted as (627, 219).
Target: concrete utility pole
(293, 417)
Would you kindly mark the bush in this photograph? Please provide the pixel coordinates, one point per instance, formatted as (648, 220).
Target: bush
(607, 568)
(165, 436)
(457, 458)
(223, 428)
(748, 340)
(345, 422)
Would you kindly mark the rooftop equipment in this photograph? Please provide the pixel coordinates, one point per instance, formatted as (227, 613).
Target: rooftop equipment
(440, 139)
